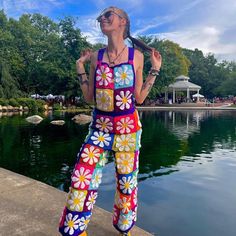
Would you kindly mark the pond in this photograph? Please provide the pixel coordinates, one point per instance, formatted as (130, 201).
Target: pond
(187, 180)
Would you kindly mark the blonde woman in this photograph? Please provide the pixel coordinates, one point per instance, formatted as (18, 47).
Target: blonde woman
(115, 83)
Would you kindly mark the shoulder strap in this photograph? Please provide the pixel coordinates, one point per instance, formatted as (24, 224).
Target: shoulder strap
(131, 55)
(100, 55)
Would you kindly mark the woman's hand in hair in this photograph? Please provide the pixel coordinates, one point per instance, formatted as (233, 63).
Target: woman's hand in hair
(85, 56)
(156, 59)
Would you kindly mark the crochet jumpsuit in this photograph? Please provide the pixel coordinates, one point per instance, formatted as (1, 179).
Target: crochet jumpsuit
(116, 129)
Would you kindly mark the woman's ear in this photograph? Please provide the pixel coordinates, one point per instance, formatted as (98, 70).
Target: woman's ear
(123, 21)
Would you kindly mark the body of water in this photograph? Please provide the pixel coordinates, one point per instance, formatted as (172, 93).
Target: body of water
(187, 179)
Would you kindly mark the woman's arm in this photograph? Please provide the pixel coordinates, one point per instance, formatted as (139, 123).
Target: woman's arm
(86, 84)
(142, 89)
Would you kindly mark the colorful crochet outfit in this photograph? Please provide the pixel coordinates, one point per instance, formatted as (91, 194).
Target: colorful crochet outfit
(116, 130)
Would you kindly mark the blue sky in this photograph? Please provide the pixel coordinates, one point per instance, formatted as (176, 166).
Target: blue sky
(209, 25)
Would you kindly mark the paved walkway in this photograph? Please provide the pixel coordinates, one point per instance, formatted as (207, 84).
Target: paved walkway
(32, 208)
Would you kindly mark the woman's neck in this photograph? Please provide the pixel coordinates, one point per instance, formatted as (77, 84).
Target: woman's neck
(115, 44)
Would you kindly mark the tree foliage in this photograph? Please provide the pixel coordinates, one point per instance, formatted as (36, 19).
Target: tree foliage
(37, 55)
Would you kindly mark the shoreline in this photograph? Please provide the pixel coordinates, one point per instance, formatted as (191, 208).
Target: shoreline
(30, 207)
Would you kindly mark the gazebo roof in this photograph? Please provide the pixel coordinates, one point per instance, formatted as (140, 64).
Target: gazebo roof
(182, 83)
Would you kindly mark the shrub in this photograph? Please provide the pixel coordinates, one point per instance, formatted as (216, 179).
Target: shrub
(13, 102)
(3, 102)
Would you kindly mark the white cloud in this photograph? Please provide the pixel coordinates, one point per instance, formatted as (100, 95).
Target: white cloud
(15, 8)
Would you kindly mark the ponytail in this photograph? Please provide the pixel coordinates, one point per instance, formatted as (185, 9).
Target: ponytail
(140, 44)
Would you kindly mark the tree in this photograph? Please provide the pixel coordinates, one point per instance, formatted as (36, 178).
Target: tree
(174, 63)
(8, 85)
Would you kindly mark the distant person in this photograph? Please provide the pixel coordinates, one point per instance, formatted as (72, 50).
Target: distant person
(115, 82)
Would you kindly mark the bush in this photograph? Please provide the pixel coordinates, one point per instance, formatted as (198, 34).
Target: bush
(32, 104)
(13, 102)
(3, 102)
(56, 106)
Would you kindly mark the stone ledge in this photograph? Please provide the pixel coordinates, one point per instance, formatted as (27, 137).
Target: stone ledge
(32, 208)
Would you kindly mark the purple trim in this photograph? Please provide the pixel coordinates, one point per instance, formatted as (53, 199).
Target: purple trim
(113, 113)
(100, 54)
(131, 54)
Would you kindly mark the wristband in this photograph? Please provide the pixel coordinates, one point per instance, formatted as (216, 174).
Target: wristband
(153, 72)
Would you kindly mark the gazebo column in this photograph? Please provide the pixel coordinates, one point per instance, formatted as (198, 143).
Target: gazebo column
(173, 96)
(166, 96)
(198, 96)
(188, 97)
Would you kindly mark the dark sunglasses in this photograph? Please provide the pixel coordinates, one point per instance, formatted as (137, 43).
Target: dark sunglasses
(107, 14)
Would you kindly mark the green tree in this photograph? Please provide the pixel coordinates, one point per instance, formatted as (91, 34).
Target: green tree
(174, 63)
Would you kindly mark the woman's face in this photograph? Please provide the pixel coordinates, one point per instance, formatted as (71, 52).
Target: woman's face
(110, 20)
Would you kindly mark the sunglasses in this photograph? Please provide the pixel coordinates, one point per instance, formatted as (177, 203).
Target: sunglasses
(107, 15)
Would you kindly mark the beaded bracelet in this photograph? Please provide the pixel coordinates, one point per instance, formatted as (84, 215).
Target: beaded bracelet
(153, 72)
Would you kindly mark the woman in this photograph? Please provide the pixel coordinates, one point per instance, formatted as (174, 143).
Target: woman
(115, 83)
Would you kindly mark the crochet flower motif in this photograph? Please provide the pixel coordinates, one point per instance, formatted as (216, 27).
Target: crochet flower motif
(81, 178)
(124, 205)
(90, 155)
(125, 142)
(124, 163)
(91, 200)
(125, 125)
(71, 224)
(104, 124)
(125, 222)
(123, 75)
(84, 222)
(103, 100)
(76, 200)
(104, 75)
(126, 184)
(97, 179)
(124, 100)
(101, 139)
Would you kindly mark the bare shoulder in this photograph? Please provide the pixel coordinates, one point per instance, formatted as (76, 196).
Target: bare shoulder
(138, 59)
(138, 55)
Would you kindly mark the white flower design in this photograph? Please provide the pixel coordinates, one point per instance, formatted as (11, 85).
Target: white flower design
(124, 100)
(125, 222)
(90, 155)
(104, 75)
(125, 163)
(91, 200)
(124, 204)
(124, 125)
(97, 179)
(125, 142)
(135, 197)
(104, 124)
(123, 75)
(84, 222)
(81, 178)
(134, 214)
(71, 223)
(115, 214)
(76, 200)
(103, 100)
(126, 184)
(101, 139)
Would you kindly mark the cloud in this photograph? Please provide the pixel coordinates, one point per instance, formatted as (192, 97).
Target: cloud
(15, 8)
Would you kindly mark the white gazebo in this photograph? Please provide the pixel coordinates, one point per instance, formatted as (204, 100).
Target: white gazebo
(182, 84)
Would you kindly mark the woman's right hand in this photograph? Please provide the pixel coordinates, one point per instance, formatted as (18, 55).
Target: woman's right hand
(84, 57)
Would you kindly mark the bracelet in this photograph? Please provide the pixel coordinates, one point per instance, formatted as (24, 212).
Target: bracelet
(153, 72)
(80, 74)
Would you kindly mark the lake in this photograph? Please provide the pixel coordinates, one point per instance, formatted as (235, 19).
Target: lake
(187, 178)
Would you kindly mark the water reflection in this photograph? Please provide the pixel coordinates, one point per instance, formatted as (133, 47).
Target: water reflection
(48, 152)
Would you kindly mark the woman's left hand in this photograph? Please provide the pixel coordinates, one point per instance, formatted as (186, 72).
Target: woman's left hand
(156, 59)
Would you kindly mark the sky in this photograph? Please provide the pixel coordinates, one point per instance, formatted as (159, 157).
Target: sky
(209, 25)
